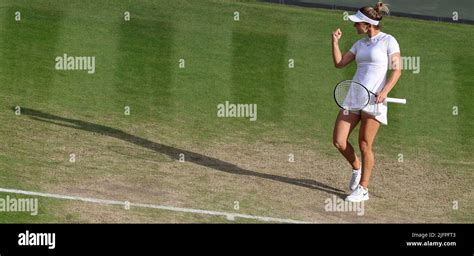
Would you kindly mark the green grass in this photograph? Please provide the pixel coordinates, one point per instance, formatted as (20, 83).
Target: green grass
(49, 211)
(242, 62)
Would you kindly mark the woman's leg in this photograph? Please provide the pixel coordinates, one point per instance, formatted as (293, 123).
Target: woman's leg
(368, 129)
(345, 123)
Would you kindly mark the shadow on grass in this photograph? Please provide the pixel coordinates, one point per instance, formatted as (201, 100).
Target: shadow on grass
(172, 152)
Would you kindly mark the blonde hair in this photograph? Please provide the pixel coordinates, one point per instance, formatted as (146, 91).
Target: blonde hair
(377, 12)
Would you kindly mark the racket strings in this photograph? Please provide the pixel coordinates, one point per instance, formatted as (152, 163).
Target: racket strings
(341, 92)
(351, 96)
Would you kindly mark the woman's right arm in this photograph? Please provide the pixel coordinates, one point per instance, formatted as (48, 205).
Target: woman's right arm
(340, 60)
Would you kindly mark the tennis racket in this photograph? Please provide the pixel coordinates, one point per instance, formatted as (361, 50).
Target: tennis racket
(351, 95)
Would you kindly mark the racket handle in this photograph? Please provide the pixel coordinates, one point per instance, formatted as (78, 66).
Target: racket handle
(396, 100)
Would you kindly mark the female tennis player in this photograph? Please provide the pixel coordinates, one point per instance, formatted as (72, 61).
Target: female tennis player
(372, 55)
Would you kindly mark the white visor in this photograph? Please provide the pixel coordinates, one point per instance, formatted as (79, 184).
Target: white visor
(360, 17)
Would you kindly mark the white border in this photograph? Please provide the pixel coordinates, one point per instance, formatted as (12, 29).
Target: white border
(228, 215)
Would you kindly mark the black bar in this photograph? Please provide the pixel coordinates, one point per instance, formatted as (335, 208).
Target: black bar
(355, 239)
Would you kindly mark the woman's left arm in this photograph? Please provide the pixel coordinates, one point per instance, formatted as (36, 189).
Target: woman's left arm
(394, 76)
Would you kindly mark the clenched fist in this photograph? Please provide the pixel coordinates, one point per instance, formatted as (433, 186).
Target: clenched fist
(336, 35)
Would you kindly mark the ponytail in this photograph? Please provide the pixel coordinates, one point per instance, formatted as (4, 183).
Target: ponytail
(381, 9)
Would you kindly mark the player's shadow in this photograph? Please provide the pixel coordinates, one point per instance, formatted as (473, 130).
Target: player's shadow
(174, 153)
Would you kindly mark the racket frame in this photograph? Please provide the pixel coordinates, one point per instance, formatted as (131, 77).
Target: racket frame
(388, 99)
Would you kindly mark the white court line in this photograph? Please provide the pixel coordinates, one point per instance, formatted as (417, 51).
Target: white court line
(228, 215)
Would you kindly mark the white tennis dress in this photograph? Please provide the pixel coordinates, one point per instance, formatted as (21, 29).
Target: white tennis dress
(372, 58)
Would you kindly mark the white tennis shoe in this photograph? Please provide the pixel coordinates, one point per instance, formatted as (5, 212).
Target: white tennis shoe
(359, 195)
(355, 179)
